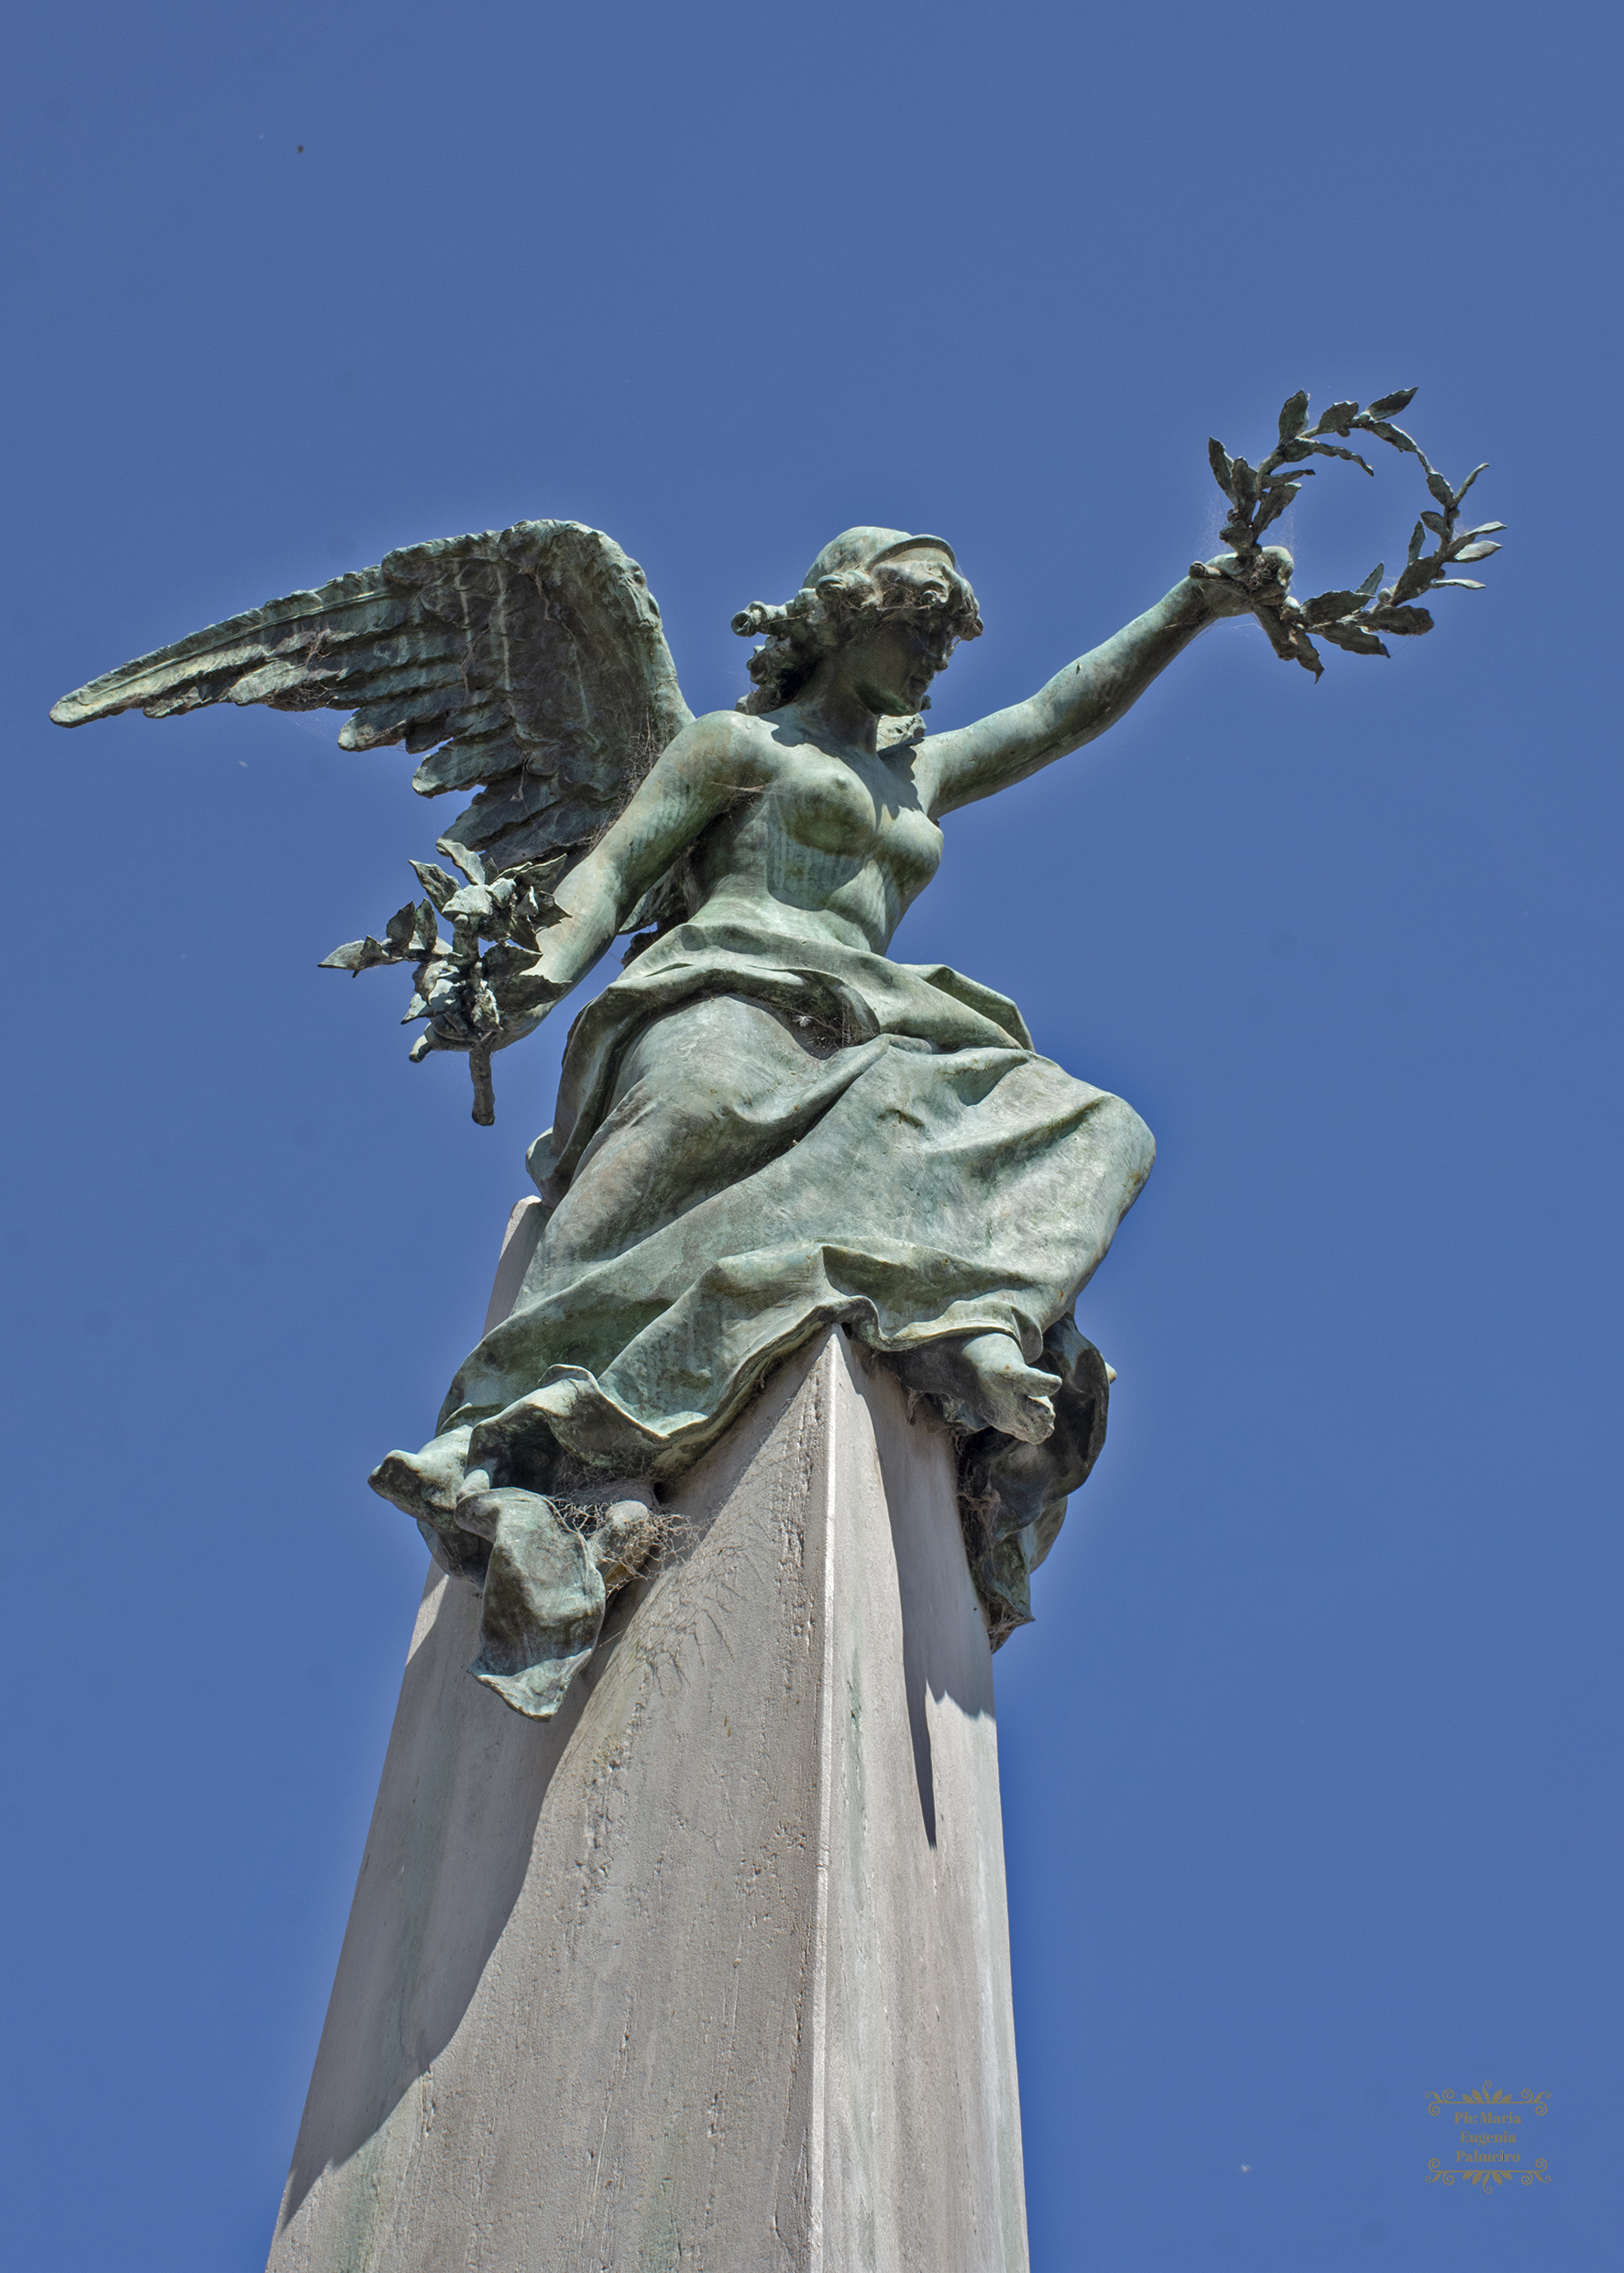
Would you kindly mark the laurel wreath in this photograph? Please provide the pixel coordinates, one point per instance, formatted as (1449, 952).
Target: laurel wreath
(1354, 619)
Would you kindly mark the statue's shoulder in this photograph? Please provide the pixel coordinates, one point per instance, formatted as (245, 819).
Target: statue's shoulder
(737, 737)
(732, 724)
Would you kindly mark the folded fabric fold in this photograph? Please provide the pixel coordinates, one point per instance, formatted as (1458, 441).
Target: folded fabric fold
(543, 1603)
(761, 1135)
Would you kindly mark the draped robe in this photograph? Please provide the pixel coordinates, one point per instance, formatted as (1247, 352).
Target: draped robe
(761, 1135)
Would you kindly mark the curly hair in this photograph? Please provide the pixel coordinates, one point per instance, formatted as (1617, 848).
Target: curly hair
(823, 616)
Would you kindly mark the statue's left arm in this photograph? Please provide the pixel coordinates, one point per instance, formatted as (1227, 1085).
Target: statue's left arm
(1079, 702)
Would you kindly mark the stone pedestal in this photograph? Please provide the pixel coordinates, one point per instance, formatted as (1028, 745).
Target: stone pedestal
(712, 1971)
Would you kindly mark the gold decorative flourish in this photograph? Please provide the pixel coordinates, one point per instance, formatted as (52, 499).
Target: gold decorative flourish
(1487, 2095)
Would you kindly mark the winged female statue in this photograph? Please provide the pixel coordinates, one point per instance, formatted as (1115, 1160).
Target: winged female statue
(765, 1126)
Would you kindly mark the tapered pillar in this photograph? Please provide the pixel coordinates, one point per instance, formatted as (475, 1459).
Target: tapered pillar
(712, 1971)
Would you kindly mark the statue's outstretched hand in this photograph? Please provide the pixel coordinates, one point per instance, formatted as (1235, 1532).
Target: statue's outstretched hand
(1256, 583)
(1236, 584)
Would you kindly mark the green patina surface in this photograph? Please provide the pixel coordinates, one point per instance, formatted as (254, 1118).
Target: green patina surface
(766, 1128)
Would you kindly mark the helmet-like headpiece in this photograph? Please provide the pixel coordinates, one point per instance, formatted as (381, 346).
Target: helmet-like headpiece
(865, 548)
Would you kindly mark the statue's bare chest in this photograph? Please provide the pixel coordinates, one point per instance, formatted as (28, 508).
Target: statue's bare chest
(826, 805)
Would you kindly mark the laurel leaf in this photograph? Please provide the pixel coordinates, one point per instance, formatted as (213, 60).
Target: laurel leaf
(435, 882)
(358, 955)
(1338, 419)
(1294, 415)
(1329, 606)
(1352, 638)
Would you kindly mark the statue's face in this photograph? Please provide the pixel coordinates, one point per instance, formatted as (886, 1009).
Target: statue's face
(890, 665)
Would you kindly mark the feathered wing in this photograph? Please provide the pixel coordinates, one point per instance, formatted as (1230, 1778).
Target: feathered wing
(525, 663)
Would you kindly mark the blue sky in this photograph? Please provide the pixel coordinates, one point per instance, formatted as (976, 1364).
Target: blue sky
(1308, 1760)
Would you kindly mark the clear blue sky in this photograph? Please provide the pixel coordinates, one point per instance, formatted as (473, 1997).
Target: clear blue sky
(1309, 1763)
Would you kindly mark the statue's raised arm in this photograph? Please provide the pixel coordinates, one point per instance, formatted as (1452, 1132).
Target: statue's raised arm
(1253, 578)
(1090, 695)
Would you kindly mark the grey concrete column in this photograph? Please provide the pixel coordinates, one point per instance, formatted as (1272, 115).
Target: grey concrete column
(711, 1972)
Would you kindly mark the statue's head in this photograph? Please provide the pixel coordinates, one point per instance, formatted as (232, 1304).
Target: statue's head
(880, 589)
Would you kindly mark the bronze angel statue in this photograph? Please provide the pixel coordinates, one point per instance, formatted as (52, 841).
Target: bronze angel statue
(765, 1126)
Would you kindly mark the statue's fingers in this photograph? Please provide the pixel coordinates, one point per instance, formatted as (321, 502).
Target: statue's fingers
(437, 1036)
(1280, 560)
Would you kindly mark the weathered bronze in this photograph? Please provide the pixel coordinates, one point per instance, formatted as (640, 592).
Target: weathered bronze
(765, 1126)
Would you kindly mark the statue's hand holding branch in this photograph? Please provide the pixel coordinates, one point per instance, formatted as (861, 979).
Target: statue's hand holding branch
(1253, 583)
(525, 663)
(547, 921)
(1353, 620)
(472, 999)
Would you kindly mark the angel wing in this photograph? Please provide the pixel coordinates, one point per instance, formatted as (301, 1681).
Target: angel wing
(527, 663)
